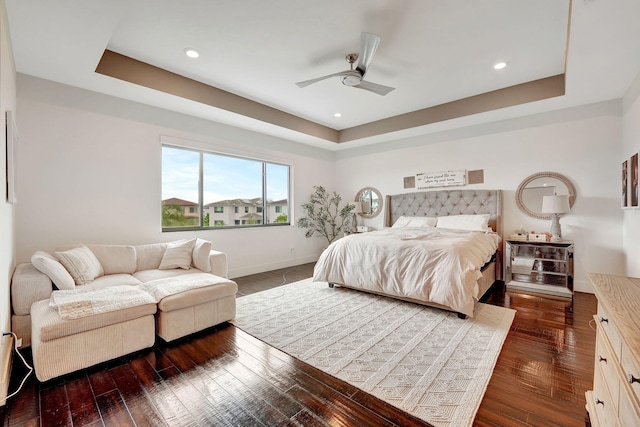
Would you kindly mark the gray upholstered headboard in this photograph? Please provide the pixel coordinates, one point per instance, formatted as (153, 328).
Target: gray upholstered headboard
(446, 202)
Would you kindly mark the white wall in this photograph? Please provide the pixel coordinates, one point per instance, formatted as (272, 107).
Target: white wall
(7, 236)
(90, 171)
(631, 145)
(583, 143)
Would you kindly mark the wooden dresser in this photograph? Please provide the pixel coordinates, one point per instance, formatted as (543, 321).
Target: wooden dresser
(615, 399)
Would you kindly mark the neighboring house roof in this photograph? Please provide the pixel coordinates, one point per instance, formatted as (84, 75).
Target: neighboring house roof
(257, 201)
(176, 201)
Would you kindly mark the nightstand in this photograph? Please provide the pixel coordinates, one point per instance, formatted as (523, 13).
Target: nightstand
(540, 267)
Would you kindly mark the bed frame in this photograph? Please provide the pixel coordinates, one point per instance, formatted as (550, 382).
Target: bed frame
(452, 202)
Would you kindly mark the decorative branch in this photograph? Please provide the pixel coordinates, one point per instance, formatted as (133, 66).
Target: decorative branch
(324, 216)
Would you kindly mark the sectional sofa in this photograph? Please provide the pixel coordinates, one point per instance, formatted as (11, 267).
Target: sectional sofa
(86, 304)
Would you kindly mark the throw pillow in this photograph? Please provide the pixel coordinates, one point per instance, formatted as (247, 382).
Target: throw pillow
(415, 221)
(50, 266)
(178, 255)
(465, 222)
(201, 255)
(81, 263)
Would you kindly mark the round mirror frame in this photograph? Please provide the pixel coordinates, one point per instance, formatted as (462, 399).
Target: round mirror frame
(570, 188)
(377, 193)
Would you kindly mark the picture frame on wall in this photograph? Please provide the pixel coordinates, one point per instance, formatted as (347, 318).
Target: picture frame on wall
(633, 177)
(625, 183)
(12, 141)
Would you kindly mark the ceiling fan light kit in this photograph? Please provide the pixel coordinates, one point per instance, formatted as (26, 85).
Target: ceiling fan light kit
(355, 77)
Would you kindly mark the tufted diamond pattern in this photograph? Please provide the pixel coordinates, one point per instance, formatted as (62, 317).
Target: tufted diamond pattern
(444, 203)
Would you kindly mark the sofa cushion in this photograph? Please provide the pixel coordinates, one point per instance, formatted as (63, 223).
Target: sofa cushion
(198, 296)
(51, 326)
(50, 266)
(149, 256)
(200, 255)
(81, 263)
(113, 280)
(115, 258)
(178, 255)
(149, 275)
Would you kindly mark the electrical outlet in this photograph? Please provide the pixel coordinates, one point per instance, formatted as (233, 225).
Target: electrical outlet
(19, 342)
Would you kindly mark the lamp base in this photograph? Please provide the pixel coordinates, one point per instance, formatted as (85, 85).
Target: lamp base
(556, 232)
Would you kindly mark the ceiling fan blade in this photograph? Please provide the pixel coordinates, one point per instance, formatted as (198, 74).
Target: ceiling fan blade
(368, 45)
(375, 87)
(312, 81)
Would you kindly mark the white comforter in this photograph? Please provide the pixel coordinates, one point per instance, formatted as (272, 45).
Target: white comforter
(427, 264)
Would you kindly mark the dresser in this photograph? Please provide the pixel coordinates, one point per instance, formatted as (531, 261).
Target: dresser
(615, 398)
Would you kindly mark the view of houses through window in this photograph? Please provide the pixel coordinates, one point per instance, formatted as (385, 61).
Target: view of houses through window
(202, 190)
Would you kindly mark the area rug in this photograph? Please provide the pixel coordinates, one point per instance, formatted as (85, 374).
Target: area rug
(423, 360)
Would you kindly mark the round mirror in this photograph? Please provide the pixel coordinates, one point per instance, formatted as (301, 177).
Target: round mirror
(371, 200)
(533, 188)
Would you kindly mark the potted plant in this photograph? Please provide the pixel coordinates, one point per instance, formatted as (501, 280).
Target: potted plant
(324, 216)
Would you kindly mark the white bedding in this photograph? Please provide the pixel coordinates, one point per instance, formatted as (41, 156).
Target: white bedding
(427, 264)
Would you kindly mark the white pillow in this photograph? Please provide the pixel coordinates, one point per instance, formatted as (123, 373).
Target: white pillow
(50, 266)
(178, 255)
(415, 221)
(81, 263)
(201, 255)
(465, 222)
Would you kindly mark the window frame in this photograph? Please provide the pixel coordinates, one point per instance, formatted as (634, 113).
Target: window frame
(263, 215)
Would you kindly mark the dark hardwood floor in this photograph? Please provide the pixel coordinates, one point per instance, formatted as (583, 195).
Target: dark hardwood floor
(226, 377)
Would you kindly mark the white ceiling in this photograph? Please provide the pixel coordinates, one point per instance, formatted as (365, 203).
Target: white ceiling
(432, 52)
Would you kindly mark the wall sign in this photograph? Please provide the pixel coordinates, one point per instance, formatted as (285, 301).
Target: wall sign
(441, 179)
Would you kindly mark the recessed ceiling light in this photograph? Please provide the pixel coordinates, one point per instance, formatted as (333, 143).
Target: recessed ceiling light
(499, 65)
(337, 115)
(191, 52)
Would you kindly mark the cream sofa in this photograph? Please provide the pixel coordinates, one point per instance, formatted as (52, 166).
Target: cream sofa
(183, 286)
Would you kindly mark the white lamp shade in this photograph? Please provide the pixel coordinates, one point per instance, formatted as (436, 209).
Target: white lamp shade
(366, 207)
(358, 208)
(555, 204)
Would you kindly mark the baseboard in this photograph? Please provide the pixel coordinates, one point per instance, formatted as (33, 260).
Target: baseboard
(240, 272)
(6, 354)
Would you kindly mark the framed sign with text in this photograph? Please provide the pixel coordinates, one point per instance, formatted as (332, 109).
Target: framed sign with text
(441, 179)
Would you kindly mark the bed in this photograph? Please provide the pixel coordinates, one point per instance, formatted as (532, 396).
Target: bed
(438, 248)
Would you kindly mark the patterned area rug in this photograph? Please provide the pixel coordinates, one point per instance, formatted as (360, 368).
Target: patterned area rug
(425, 361)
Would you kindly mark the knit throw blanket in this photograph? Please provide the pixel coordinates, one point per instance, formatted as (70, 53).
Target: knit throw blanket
(78, 303)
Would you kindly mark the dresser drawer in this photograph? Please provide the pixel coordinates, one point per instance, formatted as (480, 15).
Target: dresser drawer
(631, 373)
(628, 408)
(606, 412)
(608, 365)
(607, 324)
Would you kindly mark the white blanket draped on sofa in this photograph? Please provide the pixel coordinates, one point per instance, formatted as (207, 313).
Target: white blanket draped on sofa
(78, 303)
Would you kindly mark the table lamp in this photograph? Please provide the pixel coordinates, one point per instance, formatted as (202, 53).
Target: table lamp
(356, 211)
(556, 206)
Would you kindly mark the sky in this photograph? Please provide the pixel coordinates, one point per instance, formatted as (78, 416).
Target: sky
(225, 177)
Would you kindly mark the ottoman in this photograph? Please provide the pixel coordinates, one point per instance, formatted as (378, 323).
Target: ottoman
(196, 309)
(62, 346)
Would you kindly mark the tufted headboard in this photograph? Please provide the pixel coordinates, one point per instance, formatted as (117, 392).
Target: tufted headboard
(446, 202)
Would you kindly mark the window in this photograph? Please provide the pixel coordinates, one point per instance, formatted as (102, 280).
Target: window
(278, 209)
(198, 185)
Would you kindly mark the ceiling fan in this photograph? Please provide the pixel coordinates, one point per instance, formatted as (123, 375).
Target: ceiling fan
(355, 78)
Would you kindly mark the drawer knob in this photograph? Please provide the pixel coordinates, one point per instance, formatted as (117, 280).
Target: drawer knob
(599, 402)
(631, 379)
(603, 319)
(602, 359)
